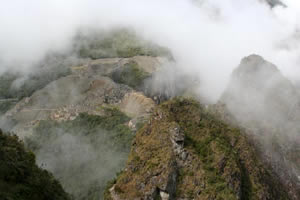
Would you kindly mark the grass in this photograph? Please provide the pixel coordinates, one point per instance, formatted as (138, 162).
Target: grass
(222, 165)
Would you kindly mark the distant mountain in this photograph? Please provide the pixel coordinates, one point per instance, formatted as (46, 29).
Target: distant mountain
(267, 105)
(258, 90)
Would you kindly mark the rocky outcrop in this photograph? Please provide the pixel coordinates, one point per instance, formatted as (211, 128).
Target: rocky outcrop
(185, 152)
(136, 104)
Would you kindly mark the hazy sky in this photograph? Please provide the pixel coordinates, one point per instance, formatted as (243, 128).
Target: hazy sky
(207, 37)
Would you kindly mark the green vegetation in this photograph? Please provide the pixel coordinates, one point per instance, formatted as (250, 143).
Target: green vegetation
(20, 178)
(117, 43)
(131, 74)
(221, 164)
(83, 173)
(229, 161)
(209, 138)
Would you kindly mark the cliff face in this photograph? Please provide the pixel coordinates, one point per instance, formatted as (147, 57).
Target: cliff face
(184, 152)
(21, 178)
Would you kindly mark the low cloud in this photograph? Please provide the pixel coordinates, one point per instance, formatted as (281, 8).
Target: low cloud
(207, 37)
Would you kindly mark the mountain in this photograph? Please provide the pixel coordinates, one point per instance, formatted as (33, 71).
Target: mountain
(264, 102)
(257, 89)
(185, 152)
(86, 89)
(80, 121)
(112, 111)
(80, 124)
(21, 178)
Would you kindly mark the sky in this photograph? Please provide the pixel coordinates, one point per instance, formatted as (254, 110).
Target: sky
(206, 37)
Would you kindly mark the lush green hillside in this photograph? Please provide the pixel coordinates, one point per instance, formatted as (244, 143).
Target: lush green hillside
(21, 178)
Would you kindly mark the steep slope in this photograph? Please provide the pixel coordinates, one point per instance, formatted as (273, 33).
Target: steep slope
(264, 102)
(21, 178)
(184, 152)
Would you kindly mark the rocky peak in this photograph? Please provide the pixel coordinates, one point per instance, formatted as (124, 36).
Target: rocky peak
(255, 71)
(258, 85)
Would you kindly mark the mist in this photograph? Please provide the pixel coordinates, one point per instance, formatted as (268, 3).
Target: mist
(207, 38)
(83, 166)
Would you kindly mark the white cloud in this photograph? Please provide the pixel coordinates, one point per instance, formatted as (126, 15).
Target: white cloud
(207, 37)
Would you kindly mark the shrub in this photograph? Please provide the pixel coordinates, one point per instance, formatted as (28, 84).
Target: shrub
(20, 178)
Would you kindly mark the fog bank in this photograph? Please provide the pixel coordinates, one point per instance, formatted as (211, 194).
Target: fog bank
(207, 38)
